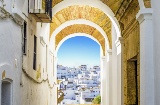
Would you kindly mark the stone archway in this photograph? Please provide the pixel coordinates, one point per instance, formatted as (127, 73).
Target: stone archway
(114, 55)
(106, 60)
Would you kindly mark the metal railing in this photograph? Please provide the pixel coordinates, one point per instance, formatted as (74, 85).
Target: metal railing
(48, 7)
(41, 9)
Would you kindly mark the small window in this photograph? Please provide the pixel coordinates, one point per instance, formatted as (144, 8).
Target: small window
(35, 53)
(24, 38)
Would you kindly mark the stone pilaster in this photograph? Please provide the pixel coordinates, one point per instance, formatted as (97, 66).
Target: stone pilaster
(120, 74)
(103, 80)
(146, 57)
(55, 60)
(108, 77)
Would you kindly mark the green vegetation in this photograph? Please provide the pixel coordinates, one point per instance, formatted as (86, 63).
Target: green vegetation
(97, 100)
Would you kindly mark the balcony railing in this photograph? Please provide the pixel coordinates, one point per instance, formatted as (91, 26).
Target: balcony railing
(41, 10)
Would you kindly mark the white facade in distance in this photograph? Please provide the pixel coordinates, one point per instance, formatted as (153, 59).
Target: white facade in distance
(83, 84)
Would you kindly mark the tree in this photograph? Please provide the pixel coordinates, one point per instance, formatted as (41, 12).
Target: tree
(97, 100)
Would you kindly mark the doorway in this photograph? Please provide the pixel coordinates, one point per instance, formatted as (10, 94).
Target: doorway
(132, 82)
(6, 94)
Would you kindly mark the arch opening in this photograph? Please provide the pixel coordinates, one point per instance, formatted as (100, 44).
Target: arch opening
(78, 34)
(60, 75)
(117, 47)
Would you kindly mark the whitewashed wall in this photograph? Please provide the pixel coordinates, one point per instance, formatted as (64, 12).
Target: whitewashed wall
(10, 54)
(25, 87)
(156, 37)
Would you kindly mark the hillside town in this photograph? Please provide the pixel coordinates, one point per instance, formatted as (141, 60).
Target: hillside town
(79, 85)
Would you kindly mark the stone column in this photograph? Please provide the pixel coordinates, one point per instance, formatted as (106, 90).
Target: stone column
(146, 57)
(55, 60)
(113, 72)
(103, 80)
(120, 77)
(108, 77)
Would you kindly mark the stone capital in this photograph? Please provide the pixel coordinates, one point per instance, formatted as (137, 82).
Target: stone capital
(109, 51)
(144, 14)
(103, 57)
(119, 41)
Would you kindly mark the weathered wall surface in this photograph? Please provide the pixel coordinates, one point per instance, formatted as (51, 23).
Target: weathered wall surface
(29, 87)
(41, 81)
(131, 34)
(10, 54)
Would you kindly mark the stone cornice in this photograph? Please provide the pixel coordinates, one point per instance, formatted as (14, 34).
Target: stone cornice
(109, 51)
(119, 41)
(144, 14)
(103, 57)
(129, 28)
(122, 8)
(42, 41)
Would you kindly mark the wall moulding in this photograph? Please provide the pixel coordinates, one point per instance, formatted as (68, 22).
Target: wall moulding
(38, 82)
(130, 28)
(144, 14)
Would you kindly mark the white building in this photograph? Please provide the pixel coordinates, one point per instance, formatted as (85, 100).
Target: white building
(26, 61)
(81, 88)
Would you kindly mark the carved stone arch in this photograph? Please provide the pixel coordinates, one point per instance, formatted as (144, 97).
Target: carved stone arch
(82, 12)
(81, 28)
(78, 34)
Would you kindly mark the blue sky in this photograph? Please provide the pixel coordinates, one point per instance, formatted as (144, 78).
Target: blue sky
(79, 50)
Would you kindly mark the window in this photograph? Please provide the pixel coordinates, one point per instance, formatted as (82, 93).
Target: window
(35, 52)
(24, 38)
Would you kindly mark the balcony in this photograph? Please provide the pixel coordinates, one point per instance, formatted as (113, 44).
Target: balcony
(41, 10)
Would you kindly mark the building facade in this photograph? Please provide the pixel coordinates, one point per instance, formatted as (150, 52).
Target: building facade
(82, 86)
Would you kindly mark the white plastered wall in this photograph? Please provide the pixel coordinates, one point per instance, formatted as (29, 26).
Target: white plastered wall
(10, 54)
(25, 90)
(156, 48)
(45, 63)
